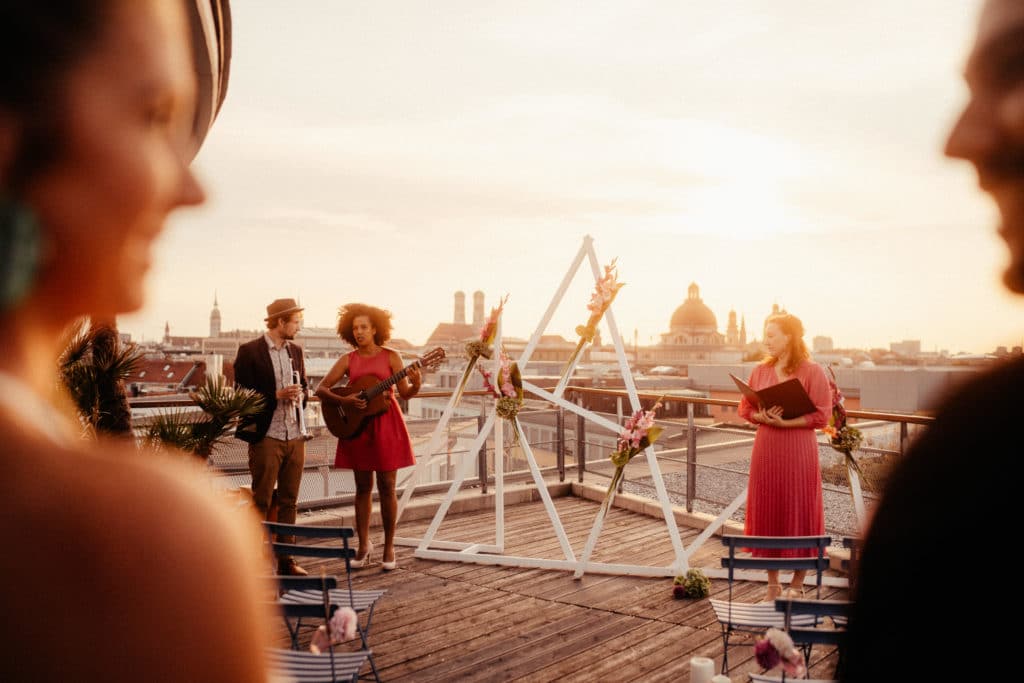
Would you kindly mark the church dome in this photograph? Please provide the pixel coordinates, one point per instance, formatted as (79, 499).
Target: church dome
(693, 313)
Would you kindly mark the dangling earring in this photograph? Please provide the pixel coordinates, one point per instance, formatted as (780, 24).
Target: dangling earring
(19, 251)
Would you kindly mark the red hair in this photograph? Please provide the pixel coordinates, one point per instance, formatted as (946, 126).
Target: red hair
(790, 326)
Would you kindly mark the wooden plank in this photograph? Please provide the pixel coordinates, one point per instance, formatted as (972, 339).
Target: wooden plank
(615, 654)
(591, 635)
(478, 650)
(453, 620)
(645, 658)
(448, 641)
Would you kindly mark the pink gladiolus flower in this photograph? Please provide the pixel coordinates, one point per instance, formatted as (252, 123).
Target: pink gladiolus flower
(604, 290)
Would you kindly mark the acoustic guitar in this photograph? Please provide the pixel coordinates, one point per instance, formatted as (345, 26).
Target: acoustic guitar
(347, 422)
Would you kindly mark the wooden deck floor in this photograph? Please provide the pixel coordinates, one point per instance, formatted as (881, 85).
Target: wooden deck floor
(443, 621)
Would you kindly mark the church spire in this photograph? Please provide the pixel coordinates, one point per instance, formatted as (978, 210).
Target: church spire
(215, 317)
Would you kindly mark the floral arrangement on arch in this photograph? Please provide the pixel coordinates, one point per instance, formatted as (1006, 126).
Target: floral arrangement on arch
(843, 437)
(637, 434)
(602, 297)
(482, 346)
(508, 388)
(776, 648)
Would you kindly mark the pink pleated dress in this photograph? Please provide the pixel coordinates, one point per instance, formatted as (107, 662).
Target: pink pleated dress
(384, 445)
(784, 495)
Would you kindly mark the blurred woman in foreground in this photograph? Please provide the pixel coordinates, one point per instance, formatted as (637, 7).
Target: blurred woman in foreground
(116, 566)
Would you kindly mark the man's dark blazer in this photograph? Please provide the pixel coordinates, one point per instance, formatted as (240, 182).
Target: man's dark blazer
(254, 370)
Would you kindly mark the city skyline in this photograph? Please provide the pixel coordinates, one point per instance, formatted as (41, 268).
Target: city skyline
(770, 152)
(627, 337)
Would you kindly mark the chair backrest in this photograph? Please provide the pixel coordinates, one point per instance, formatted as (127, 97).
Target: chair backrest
(333, 551)
(838, 610)
(341, 533)
(307, 610)
(815, 560)
(322, 551)
(307, 583)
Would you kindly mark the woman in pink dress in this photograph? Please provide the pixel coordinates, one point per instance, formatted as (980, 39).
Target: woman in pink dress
(784, 493)
(383, 446)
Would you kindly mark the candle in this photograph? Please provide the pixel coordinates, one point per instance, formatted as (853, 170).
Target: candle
(701, 669)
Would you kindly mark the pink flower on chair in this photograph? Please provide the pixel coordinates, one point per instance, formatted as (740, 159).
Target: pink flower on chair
(343, 627)
(775, 648)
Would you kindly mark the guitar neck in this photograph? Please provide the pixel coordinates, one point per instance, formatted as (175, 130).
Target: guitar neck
(377, 389)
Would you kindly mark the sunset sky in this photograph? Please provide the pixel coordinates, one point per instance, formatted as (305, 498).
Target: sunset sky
(771, 151)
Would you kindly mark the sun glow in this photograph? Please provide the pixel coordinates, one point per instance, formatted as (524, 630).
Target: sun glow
(742, 208)
(742, 181)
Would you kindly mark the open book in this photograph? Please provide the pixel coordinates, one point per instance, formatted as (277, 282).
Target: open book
(789, 395)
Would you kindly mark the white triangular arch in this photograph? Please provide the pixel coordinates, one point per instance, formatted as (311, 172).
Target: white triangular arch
(429, 547)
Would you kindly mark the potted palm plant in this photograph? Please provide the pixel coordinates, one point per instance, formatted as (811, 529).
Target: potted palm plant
(93, 368)
(223, 406)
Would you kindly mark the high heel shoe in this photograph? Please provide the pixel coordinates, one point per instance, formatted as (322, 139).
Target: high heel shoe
(357, 563)
(389, 566)
(774, 591)
(793, 593)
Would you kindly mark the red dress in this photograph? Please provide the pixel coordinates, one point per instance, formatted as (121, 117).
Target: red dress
(784, 493)
(384, 444)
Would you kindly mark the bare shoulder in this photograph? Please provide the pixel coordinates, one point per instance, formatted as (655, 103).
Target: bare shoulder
(394, 358)
(131, 568)
(336, 372)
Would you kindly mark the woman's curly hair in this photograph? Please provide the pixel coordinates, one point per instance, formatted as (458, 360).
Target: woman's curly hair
(379, 318)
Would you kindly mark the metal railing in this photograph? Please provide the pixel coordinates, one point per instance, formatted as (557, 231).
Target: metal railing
(558, 438)
(688, 454)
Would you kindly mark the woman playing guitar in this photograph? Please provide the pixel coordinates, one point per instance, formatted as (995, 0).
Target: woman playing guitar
(383, 446)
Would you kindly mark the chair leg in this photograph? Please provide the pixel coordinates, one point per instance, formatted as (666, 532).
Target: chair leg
(725, 651)
(364, 632)
(293, 632)
(373, 668)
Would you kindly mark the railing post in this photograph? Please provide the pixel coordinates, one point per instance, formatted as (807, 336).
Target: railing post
(560, 443)
(691, 458)
(903, 438)
(325, 472)
(581, 442)
(481, 456)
